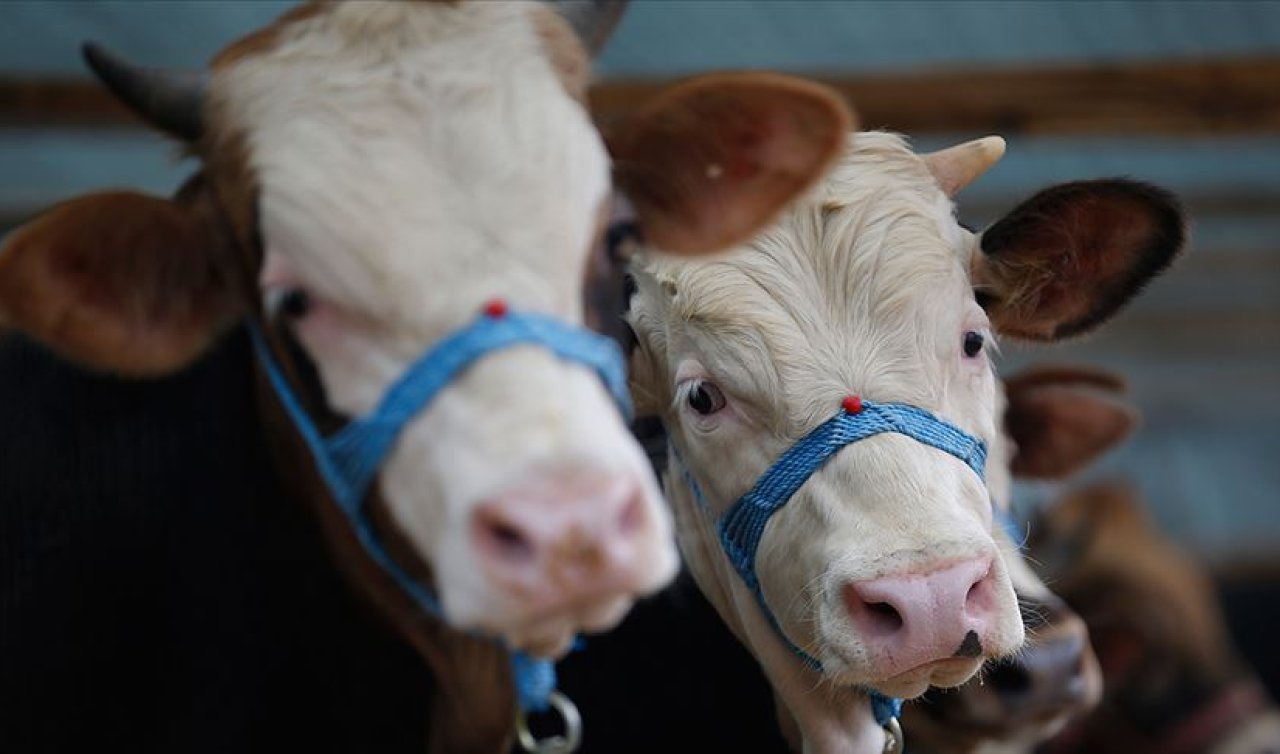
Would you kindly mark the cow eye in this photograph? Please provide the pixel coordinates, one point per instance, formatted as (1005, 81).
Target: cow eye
(705, 398)
(973, 342)
(294, 303)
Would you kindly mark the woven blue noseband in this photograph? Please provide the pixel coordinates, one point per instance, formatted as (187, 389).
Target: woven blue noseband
(742, 525)
(349, 460)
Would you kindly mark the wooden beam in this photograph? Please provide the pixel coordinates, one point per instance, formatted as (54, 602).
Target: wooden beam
(1182, 98)
(1237, 96)
(34, 102)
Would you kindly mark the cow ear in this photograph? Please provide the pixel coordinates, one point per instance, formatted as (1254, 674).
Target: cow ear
(711, 161)
(1070, 257)
(1062, 419)
(120, 281)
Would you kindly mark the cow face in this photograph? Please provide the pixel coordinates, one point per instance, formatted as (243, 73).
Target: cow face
(883, 565)
(374, 173)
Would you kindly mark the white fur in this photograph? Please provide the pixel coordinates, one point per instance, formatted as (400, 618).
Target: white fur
(862, 289)
(415, 160)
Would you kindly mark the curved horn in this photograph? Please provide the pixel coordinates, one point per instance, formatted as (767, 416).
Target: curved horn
(171, 101)
(592, 20)
(958, 166)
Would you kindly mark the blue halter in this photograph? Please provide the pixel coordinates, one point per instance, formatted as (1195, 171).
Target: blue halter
(349, 460)
(742, 525)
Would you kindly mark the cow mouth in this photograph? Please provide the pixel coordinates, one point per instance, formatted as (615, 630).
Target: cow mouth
(552, 633)
(915, 681)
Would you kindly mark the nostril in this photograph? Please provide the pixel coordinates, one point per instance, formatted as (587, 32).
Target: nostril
(502, 540)
(884, 618)
(1010, 677)
(981, 596)
(875, 618)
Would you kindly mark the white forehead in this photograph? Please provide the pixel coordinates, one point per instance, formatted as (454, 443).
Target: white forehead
(397, 142)
(855, 286)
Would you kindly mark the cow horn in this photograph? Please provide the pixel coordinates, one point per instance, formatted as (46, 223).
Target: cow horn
(958, 166)
(171, 101)
(592, 20)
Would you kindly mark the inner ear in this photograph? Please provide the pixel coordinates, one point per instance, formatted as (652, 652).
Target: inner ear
(1059, 429)
(120, 281)
(711, 161)
(1071, 256)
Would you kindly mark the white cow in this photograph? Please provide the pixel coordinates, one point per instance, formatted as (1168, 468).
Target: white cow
(869, 311)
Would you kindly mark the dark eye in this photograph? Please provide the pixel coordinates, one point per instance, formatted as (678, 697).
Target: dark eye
(973, 342)
(296, 303)
(705, 398)
(291, 302)
(618, 239)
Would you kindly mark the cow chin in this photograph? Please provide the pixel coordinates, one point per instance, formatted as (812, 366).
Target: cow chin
(914, 682)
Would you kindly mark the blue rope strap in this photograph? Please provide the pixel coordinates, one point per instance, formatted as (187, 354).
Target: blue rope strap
(742, 526)
(348, 461)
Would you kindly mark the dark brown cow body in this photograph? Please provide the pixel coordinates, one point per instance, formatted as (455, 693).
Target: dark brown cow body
(1174, 682)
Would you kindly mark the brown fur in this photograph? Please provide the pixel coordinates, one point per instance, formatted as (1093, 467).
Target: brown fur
(264, 39)
(1154, 616)
(713, 160)
(474, 702)
(1071, 256)
(121, 281)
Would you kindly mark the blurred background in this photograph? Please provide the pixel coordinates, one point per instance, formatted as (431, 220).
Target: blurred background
(1185, 94)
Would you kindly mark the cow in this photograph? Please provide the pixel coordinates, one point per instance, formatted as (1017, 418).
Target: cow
(866, 316)
(1173, 679)
(388, 194)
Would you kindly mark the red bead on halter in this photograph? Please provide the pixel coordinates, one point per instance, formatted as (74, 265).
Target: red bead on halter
(495, 308)
(852, 404)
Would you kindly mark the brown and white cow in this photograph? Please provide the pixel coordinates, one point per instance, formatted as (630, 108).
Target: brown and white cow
(883, 566)
(372, 174)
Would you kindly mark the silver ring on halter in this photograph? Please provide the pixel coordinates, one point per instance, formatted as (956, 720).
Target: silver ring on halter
(565, 744)
(893, 737)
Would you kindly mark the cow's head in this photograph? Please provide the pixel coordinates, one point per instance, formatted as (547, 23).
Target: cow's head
(1173, 679)
(883, 565)
(372, 174)
(1058, 419)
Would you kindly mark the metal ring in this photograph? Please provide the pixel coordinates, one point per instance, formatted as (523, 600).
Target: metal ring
(893, 743)
(563, 744)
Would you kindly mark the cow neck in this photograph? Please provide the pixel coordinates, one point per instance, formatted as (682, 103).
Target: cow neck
(348, 461)
(741, 528)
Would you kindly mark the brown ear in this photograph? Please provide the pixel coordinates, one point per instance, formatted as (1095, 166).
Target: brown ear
(120, 281)
(1062, 419)
(1070, 257)
(710, 161)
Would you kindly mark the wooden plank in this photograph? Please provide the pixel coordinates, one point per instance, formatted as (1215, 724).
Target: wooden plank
(1174, 98)
(32, 102)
